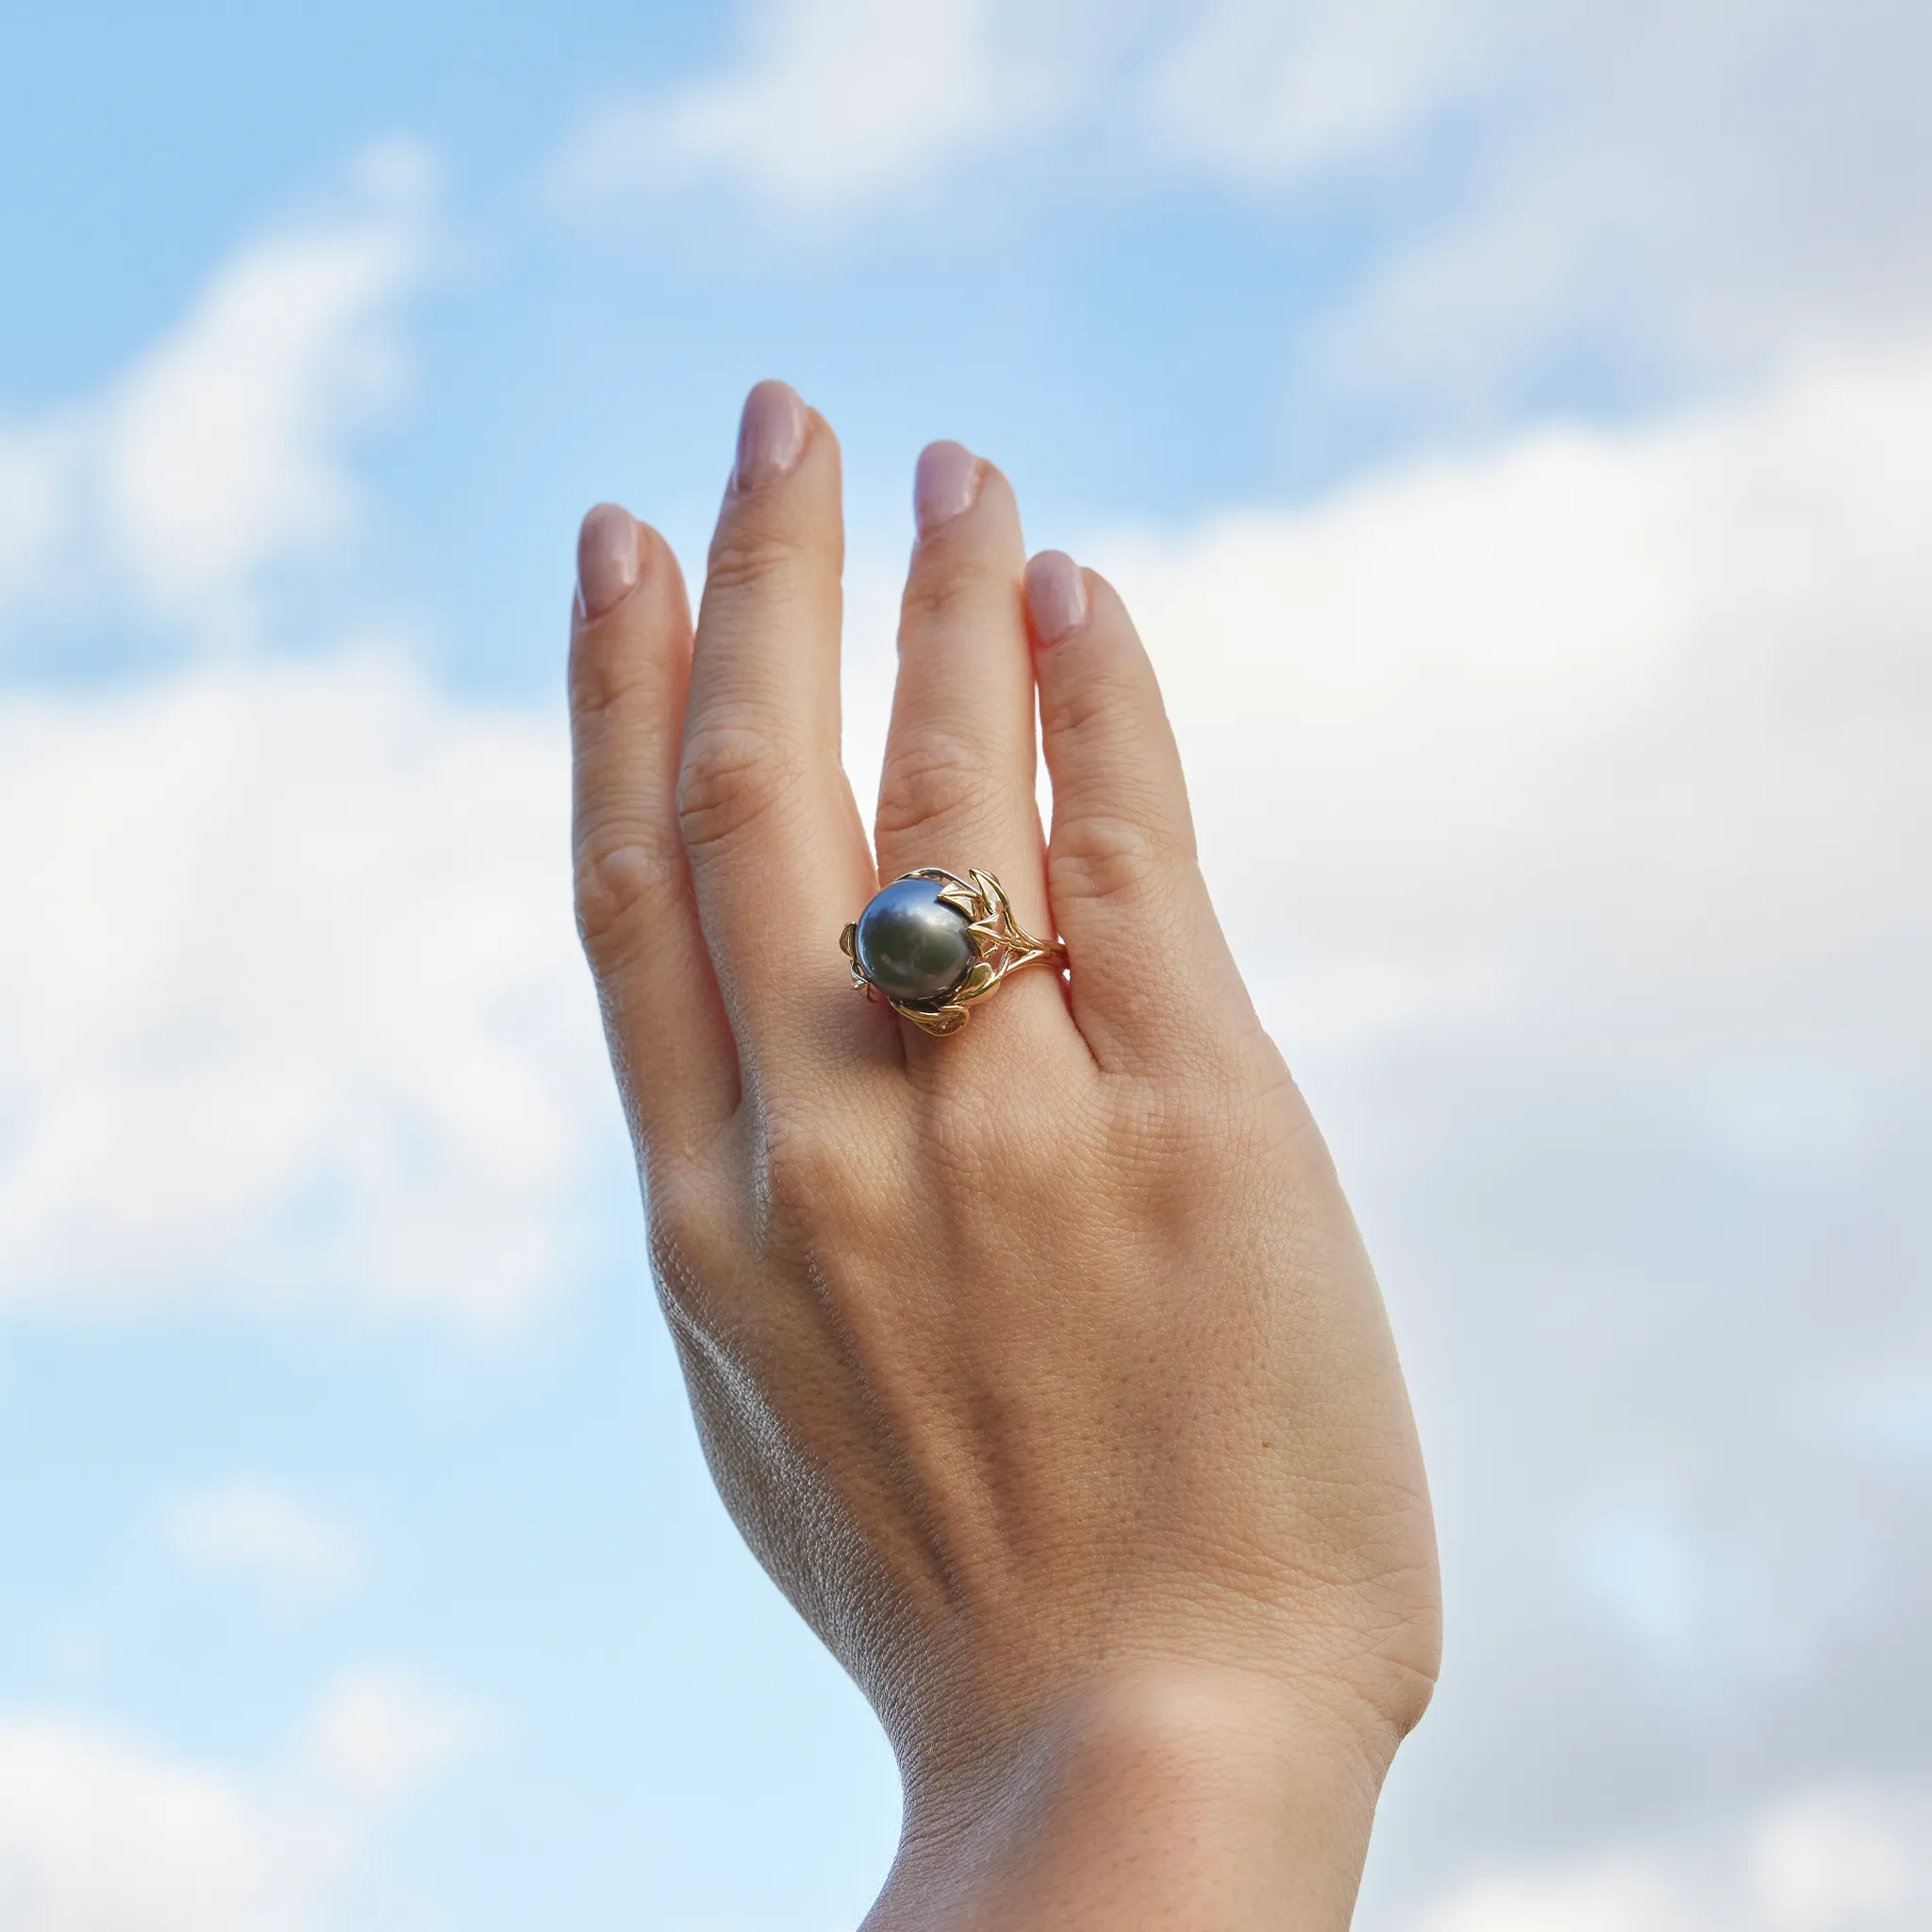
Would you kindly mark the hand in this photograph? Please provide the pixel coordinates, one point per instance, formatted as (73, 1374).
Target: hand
(1041, 1366)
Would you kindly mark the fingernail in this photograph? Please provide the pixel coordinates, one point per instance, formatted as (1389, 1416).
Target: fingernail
(770, 434)
(606, 559)
(1055, 596)
(945, 483)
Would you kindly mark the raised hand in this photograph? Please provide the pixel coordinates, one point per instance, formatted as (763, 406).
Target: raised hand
(1040, 1361)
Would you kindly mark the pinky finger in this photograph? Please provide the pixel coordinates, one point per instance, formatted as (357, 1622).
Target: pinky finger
(629, 670)
(1151, 972)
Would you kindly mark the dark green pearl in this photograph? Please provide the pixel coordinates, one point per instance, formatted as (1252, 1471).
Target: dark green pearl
(910, 945)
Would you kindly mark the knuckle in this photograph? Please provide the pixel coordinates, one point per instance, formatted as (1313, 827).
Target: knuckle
(806, 1174)
(601, 678)
(752, 558)
(677, 1218)
(687, 1234)
(941, 589)
(616, 875)
(1171, 1131)
(1083, 708)
(731, 776)
(932, 773)
(1099, 856)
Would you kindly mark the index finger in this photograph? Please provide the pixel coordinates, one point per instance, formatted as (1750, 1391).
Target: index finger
(629, 664)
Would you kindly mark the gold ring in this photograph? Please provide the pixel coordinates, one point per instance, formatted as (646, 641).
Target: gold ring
(933, 942)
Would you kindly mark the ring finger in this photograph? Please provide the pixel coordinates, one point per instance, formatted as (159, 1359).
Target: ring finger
(957, 789)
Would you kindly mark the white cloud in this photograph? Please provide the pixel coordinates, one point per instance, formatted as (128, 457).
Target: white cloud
(292, 1002)
(254, 1529)
(223, 451)
(1601, 715)
(103, 1832)
(1632, 195)
(1651, 186)
(98, 1834)
(1834, 1861)
(295, 1003)
(831, 106)
(378, 1736)
(220, 455)
(1266, 92)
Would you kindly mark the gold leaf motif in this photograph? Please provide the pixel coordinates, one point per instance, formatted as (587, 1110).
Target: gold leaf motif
(979, 979)
(848, 940)
(946, 1019)
(994, 895)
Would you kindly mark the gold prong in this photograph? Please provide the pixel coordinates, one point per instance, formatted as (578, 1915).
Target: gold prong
(993, 893)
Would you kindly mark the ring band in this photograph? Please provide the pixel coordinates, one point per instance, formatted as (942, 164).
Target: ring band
(933, 942)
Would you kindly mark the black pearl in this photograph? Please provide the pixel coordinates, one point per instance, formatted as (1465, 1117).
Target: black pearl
(910, 945)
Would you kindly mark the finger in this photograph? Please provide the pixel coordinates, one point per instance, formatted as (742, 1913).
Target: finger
(629, 666)
(957, 788)
(1150, 972)
(778, 854)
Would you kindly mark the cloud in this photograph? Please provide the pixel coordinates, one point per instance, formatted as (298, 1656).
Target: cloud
(832, 106)
(104, 1832)
(1567, 806)
(1668, 685)
(378, 1736)
(253, 1529)
(1852, 1860)
(189, 1848)
(295, 1003)
(219, 456)
(1611, 200)
(1659, 192)
(1264, 94)
(223, 452)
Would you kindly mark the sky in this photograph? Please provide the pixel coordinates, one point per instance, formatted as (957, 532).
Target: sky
(1511, 424)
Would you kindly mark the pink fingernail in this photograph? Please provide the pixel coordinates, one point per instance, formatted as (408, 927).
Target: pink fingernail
(770, 434)
(1055, 596)
(606, 559)
(945, 483)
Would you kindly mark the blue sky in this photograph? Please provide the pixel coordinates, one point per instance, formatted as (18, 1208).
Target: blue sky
(1509, 424)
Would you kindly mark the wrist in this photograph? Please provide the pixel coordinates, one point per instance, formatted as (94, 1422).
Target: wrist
(1174, 1796)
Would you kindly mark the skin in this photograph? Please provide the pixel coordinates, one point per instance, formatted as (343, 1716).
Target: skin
(1041, 1366)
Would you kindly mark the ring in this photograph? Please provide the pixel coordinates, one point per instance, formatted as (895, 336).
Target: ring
(933, 942)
